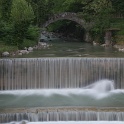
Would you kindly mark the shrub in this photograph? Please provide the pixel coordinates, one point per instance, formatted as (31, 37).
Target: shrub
(28, 43)
(32, 33)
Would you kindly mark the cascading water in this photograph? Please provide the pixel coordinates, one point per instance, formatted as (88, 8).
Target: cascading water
(47, 73)
(61, 89)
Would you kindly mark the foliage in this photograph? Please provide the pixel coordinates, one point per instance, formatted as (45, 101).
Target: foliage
(21, 11)
(99, 12)
(21, 15)
(9, 48)
(6, 32)
(28, 43)
(42, 9)
(33, 33)
(120, 39)
(20, 19)
(73, 5)
(118, 5)
(55, 6)
(5, 9)
(118, 23)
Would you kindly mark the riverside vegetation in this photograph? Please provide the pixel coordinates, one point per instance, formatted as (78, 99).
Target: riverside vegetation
(21, 20)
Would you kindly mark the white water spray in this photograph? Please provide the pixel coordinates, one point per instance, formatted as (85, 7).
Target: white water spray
(98, 89)
(72, 122)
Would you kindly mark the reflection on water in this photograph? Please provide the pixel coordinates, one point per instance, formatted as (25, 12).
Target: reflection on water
(100, 94)
(62, 48)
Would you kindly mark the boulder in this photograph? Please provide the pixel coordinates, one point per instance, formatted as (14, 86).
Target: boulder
(20, 54)
(30, 49)
(5, 54)
(25, 48)
(35, 47)
(24, 51)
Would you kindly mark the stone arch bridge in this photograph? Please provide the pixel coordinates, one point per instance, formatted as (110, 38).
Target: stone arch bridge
(73, 17)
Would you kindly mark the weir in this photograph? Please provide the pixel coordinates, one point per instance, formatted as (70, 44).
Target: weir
(63, 114)
(57, 73)
(62, 89)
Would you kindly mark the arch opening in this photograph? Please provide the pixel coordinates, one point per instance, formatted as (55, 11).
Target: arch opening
(71, 17)
(68, 28)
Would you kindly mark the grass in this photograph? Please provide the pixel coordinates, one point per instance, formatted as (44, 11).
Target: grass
(118, 23)
(29, 43)
(9, 48)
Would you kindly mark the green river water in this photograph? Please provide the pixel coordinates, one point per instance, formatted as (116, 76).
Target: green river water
(74, 48)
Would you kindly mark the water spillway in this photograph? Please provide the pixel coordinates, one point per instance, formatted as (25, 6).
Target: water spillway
(64, 114)
(57, 73)
(63, 87)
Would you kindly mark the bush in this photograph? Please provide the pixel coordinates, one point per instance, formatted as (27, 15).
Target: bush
(6, 31)
(33, 33)
(118, 23)
(28, 43)
(120, 39)
(8, 48)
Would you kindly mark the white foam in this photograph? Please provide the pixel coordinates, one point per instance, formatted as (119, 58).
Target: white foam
(72, 122)
(98, 90)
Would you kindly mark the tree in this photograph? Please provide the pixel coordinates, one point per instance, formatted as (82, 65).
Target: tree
(98, 12)
(73, 5)
(58, 6)
(21, 16)
(118, 6)
(40, 11)
(5, 9)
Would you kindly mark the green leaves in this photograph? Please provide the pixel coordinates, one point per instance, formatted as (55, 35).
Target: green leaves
(5, 9)
(21, 11)
(118, 5)
(21, 15)
(73, 5)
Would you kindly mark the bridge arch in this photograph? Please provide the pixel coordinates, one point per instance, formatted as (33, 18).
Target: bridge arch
(65, 16)
(72, 17)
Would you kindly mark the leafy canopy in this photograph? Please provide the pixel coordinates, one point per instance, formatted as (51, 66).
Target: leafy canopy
(21, 11)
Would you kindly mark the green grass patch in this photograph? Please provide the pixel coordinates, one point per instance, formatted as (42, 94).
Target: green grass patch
(118, 23)
(120, 39)
(8, 48)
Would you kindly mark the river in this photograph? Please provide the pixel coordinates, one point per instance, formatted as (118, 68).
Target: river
(74, 48)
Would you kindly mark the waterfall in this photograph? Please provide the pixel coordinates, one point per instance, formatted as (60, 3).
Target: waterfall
(25, 77)
(56, 73)
(63, 115)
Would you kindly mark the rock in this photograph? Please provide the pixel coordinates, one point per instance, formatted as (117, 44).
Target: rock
(13, 54)
(104, 45)
(30, 49)
(121, 49)
(43, 45)
(35, 47)
(5, 54)
(95, 43)
(25, 48)
(20, 54)
(24, 51)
